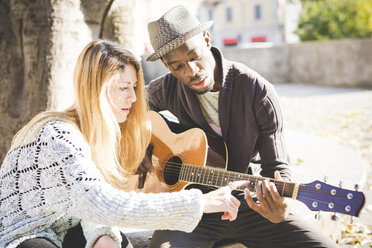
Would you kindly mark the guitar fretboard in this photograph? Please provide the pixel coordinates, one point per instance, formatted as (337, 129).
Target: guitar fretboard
(219, 178)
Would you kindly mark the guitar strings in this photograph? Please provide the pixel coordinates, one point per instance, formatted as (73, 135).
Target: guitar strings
(304, 188)
(176, 169)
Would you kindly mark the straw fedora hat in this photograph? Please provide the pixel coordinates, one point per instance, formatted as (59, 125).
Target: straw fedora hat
(175, 27)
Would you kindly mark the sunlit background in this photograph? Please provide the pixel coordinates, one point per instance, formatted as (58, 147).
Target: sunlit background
(317, 53)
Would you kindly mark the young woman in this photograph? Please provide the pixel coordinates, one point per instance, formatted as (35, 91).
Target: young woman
(66, 168)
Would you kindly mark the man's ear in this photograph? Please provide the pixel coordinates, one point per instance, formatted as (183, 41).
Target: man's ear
(207, 39)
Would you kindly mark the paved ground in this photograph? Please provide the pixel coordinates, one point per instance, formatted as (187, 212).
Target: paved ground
(344, 117)
(329, 133)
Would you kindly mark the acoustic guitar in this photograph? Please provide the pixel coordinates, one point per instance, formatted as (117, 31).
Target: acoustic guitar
(192, 160)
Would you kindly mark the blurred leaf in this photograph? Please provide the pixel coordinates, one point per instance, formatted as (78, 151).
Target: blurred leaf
(335, 19)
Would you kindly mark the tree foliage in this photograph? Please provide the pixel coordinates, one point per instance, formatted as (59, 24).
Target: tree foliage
(335, 19)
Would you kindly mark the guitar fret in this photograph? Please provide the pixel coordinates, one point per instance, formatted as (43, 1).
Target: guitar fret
(197, 178)
(200, 173)
(256, 181)
(188, 173)
(212, 177)
(184, 176)
(203, 179)
(192, 173)
(207, 172)
(224, 181)
(182, 173)
(222, 174)
(222, 177)
(215, 176)
(229, 178)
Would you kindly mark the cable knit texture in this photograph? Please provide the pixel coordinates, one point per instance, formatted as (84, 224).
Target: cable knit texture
(50, 184)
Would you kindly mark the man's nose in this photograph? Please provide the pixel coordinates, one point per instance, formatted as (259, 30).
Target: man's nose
(192, 68)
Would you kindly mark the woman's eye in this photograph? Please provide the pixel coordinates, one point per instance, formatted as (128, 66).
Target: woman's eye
(123, 88)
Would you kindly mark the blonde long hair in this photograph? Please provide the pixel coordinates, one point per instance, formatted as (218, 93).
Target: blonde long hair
(117, 149)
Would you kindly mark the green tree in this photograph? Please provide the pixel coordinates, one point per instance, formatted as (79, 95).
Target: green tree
(335, 19)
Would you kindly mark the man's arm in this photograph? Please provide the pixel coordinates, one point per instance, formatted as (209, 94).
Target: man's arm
(271, 144)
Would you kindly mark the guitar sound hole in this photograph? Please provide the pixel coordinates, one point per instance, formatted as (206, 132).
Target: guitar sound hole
(172, 170)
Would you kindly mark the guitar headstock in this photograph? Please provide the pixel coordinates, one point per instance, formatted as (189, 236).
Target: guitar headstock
(325, 197)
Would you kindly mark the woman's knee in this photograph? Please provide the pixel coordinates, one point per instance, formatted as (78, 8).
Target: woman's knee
(37, 243)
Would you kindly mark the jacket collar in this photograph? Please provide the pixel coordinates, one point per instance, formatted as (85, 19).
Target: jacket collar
(225, 66)
(224, 101)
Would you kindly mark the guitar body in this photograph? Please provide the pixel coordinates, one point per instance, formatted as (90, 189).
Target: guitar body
(171, 151)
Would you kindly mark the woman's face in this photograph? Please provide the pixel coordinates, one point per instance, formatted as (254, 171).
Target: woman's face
(121, 94)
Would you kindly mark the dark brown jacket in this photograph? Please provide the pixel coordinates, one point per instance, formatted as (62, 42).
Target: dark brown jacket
(249, 113)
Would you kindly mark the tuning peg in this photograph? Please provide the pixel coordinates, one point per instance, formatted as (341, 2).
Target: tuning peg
(334, 217)
(325, 178)
(351, 220)
(356, 187)
(341, 183)
(318, 216)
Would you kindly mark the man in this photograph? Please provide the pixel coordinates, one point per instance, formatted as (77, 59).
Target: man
(231, 101)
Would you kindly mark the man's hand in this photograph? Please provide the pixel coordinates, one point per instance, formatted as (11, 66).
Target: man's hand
(146, 165)
(105, 241)
(272, 206)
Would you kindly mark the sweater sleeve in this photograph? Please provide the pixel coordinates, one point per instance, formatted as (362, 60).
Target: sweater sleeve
(89, 198)
(93, 231)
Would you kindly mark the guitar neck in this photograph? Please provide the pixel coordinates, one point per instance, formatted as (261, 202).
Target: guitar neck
(218, 178)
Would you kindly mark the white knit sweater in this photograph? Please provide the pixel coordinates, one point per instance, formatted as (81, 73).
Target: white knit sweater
(51, 184)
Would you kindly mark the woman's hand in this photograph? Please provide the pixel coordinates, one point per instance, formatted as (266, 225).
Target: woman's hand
(146, 165)
(221, 200)
(272, 206)
(105, 241)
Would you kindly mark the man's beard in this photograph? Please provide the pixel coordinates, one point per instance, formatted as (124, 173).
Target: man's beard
(197, 77)
(208, 89)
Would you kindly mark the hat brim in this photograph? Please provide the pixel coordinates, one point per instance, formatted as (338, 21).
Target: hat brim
(179, 41)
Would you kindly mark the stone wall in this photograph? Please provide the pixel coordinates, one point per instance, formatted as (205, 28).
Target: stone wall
(335, 63)
(332, 63)
(271, 62)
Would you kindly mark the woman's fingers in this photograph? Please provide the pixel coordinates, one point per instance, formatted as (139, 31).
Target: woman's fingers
(237, 184)
(221, 200)
(231, 213)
